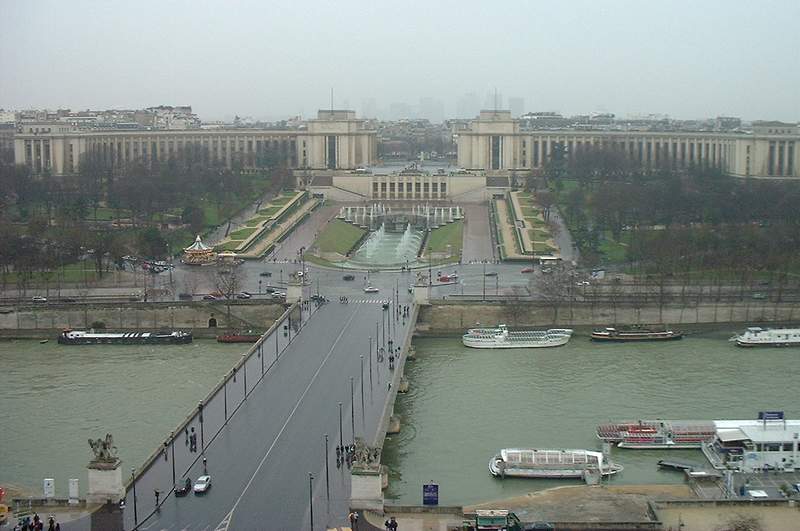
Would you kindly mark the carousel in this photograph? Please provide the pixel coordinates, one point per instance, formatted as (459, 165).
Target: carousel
(199, 253)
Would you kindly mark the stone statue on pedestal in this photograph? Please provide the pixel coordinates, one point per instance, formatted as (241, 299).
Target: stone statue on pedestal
(104, 450)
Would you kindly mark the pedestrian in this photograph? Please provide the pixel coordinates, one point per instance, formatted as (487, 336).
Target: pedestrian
(157, 494)
(353, 519)
(391, 524)
(186, 430)
(205, 465)
(58, 526)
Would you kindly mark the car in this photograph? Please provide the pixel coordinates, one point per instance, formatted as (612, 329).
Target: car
(371, 289)
(67, 299)
(759, 296)
(269, 289)
(583, 283)
(527, 270)
(796, 487)
(349, 277)
(265, 274)
(185, 296)
(183, 487)
(202, 484)
(547, 270)
(209, 297)
(385, 305)
(278, 296)
(318, 297)
(243, 295)
(490, 274)
(38, 299)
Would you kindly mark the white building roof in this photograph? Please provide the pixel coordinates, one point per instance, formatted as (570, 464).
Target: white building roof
(758, 431)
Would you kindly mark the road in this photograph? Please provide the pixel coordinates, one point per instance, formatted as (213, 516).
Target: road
(261, 460)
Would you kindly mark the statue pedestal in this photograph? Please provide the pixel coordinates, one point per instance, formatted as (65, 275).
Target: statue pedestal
(365, 489)
(105, 482)
(421, 294)
(294, 292)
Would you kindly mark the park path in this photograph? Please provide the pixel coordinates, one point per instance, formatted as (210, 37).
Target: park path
(477, 243)
(305, 233)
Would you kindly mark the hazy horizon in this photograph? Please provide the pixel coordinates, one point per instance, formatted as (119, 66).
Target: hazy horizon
(272, 60)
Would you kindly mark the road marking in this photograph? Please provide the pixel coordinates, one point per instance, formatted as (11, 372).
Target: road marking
(227, 520)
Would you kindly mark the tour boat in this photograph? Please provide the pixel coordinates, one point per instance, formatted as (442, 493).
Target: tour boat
(635, 333)
(82, 337)
(248, 336)
(550, 463)
(657, 434)
(501, 337)
(768, 337)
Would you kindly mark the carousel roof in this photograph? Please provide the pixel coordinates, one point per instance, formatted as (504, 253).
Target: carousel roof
(198, 245)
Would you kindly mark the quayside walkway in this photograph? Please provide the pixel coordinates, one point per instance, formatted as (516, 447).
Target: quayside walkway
(263, 438)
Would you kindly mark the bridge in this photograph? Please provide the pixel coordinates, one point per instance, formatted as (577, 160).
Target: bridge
(268, 432)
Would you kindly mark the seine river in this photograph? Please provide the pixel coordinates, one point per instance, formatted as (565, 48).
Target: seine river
(53, 398)
(464, 405)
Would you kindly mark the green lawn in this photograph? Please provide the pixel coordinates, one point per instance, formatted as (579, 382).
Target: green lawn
(612, 250)
(256, 221)
(536, 222)
(281, 200)
(451, 234)
(542, 248)
(69, 273)
(538, 235)
(339, 237)
(242, 234)
(229, 245)
(106, 213)
(269, 211)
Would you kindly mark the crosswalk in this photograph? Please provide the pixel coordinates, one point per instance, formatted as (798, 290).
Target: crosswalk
(367, 301)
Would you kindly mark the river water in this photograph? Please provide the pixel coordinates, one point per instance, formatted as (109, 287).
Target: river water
(464, 405)
(53, 398)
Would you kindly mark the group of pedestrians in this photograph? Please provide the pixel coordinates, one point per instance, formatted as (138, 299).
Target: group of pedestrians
(343, 299)
(37, 524)
(191, 440)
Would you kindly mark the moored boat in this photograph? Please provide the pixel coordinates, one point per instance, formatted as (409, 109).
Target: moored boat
(550, 463)
(248, 336)
(768, 337)
(657, 434)
(83, 337)
(502, 337)
(635, 333)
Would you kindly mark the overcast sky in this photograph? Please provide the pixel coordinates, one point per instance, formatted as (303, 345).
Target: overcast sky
(688, 59)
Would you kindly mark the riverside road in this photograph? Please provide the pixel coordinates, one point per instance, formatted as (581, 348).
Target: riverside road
(261, 460)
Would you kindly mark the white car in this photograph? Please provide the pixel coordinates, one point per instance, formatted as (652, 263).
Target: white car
(202, 484)
(39, 298)
(371, 289)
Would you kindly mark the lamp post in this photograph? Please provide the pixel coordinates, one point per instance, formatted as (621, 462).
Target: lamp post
(484, 281)
(341, 442)
(353, 409)
(133, 482)
(311, 497)
(327, 477)
(362, 391)
(259, 286)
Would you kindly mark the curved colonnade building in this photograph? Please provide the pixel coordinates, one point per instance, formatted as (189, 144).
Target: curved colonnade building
(331, 154)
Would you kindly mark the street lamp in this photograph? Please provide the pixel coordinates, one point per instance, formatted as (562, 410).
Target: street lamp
(133, 482)
(311, 497)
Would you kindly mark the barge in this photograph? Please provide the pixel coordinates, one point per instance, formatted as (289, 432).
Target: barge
(83, 337)
(657, 434)
(551, 463)
(502, 337)
(635, 333)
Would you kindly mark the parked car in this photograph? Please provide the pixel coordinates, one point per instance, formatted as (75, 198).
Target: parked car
(202, 484)
(209, 297)
(349, 277)
(243, 295)
(759, 296)
(183, 487)
(278, 296)
(38, 299)
(527, 270)
(185, 296)
(265, 274)
(490, 274)
(269, 289)
(547, 270)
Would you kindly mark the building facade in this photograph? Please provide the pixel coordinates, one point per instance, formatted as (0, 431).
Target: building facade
(496, 143)
(335, 140)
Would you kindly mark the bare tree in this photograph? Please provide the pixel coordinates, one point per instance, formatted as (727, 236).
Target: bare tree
(740, 522)
(555, 288)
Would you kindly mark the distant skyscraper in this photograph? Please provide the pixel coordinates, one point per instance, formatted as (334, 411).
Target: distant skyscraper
(399, 110)
(432, 109)
(369, 109)
(517, 106)
(468, 106)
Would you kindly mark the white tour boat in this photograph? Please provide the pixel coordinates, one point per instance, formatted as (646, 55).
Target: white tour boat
(768, 337)
(501, 337)
(550, 463)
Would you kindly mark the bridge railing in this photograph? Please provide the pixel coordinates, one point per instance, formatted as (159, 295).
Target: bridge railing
(185, 446)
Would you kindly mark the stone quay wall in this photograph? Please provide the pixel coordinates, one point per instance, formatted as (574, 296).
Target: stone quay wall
(43, 321)
(452, 316)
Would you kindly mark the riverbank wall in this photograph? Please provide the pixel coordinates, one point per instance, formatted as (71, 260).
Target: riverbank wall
(444, 316)
(205, 318)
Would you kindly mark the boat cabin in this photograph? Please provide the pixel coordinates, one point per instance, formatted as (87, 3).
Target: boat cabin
(770, 443)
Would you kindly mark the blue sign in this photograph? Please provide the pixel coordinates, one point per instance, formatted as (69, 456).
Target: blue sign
(430, 494)
(770, 415)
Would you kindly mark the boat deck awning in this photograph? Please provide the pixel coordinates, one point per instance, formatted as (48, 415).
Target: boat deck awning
(731, 435)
